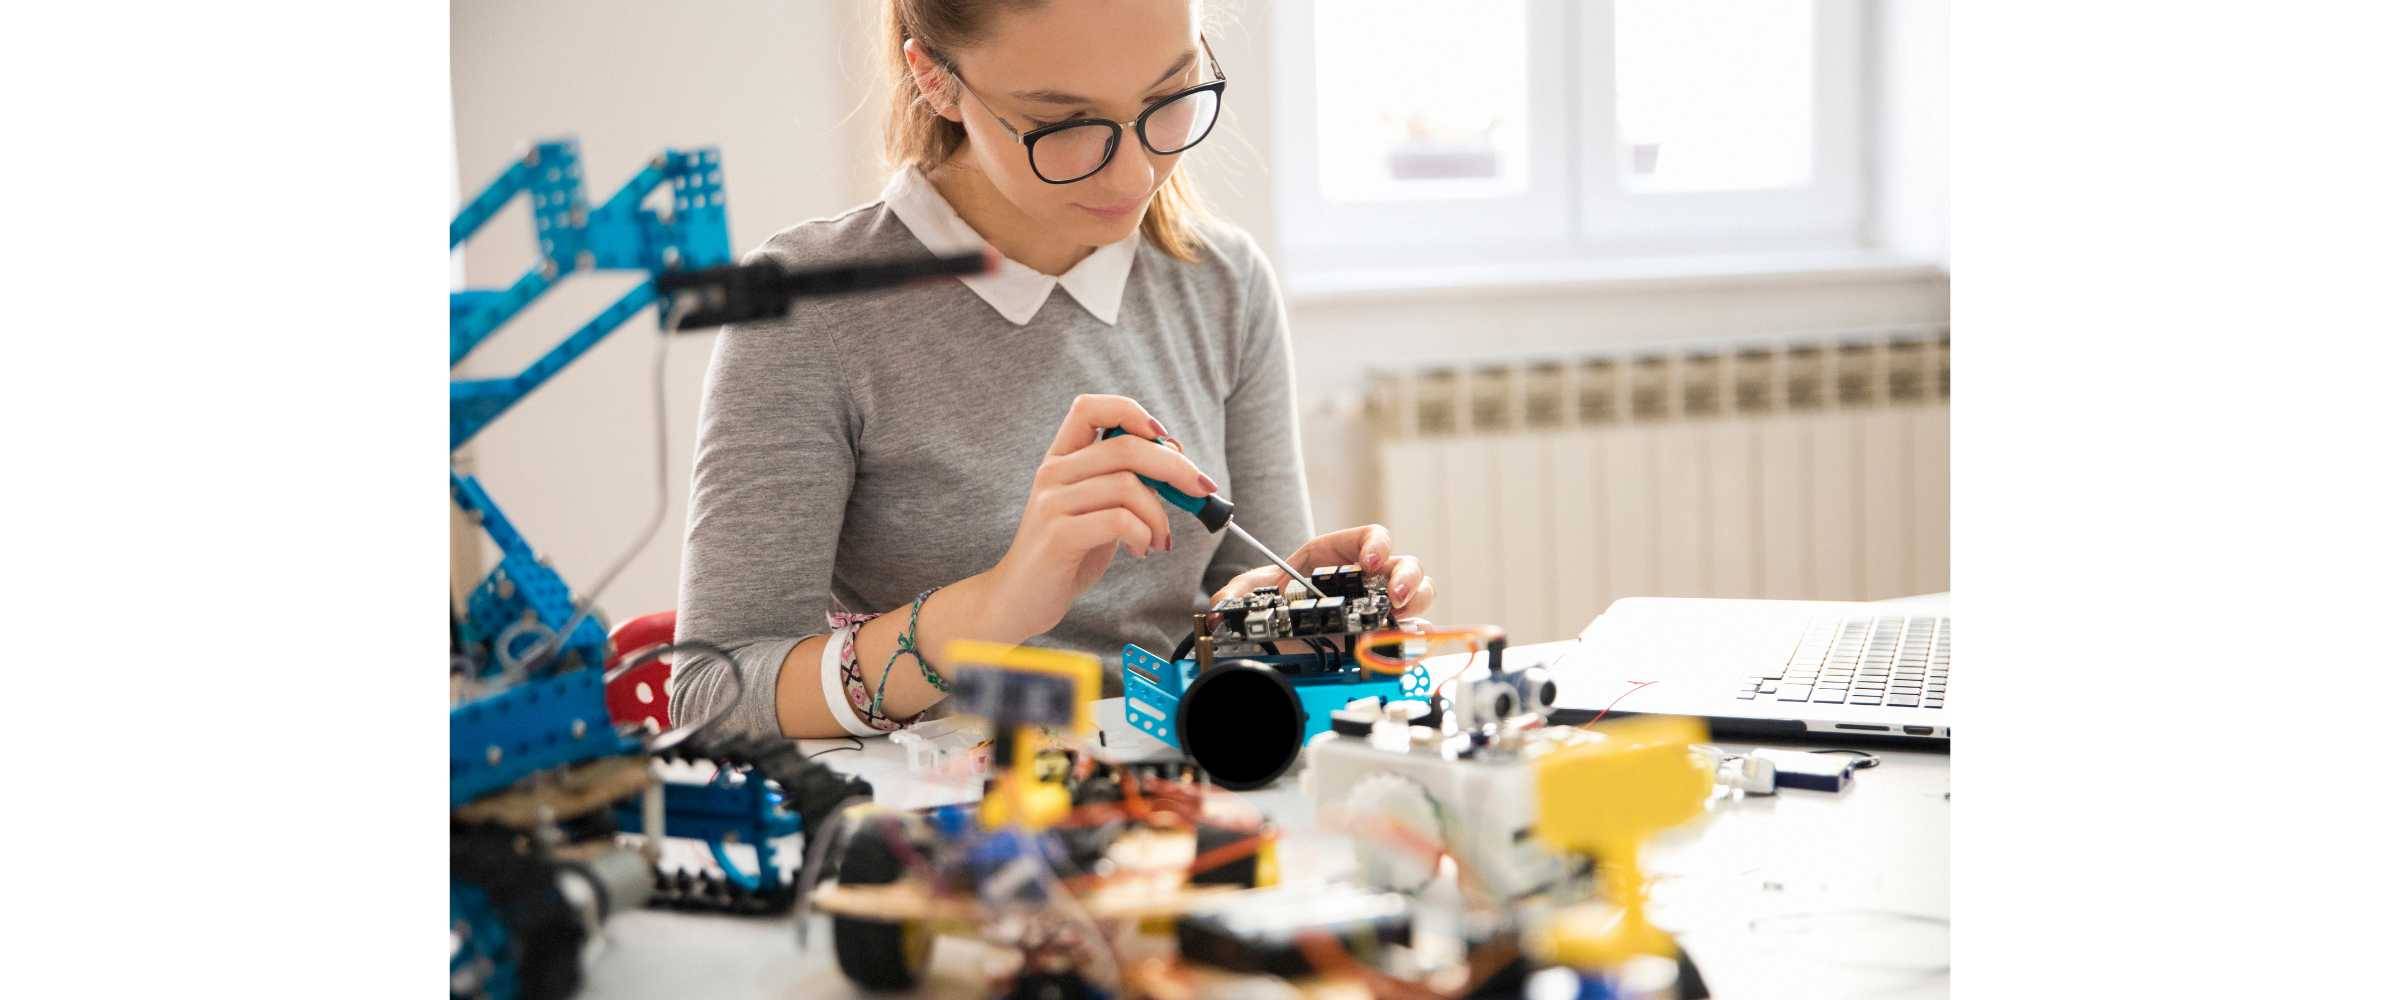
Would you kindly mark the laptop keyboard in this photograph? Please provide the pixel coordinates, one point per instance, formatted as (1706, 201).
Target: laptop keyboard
(1896, 661)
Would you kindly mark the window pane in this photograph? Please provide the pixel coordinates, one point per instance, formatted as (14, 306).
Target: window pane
(1420, 98)
(1714, 95)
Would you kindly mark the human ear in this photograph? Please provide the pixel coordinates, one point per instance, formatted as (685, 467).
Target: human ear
(933, 84)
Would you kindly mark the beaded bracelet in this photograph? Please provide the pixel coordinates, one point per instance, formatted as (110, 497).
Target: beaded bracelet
(907, 643)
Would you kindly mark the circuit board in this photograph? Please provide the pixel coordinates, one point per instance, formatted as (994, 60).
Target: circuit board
(1355, 602)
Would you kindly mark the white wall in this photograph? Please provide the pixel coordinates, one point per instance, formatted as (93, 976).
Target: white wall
(760, 80)
(772, 84)
(1911, 161)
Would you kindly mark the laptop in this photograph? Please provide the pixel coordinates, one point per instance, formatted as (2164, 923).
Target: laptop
(1792, 670)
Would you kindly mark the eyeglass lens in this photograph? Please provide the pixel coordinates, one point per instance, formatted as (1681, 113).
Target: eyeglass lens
(1075, 153)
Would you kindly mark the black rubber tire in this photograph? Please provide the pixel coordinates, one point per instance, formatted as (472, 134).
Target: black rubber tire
(874, 953)
(1242, 723)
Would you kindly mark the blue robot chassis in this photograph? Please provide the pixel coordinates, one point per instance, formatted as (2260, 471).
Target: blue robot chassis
(1243, 717)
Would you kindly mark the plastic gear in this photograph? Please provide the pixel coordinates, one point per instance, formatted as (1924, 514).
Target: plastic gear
(1382, 862)
(1416, 683)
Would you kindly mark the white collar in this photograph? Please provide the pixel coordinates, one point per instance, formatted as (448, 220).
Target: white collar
(1017, 291)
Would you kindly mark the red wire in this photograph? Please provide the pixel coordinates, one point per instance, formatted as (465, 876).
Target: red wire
(1637, 685)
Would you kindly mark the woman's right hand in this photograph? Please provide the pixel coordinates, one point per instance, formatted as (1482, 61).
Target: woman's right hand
(1085, 503)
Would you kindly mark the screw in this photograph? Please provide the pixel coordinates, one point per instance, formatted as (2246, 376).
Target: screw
(576, 730)
(491, 754)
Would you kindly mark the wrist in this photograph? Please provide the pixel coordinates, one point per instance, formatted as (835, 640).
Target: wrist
(983, 612)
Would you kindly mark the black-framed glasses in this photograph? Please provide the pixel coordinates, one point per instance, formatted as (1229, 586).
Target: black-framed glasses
(1069, 151)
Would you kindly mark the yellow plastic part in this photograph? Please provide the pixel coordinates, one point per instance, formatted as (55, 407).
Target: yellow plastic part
(1269, 872)
(916, 944)
(1081, 668)
(1604, 799)
(1021, 797)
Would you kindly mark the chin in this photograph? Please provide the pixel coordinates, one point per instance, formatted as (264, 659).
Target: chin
(1096, 229)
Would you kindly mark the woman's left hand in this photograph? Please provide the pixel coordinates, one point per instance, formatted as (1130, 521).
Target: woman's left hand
(1370, 546)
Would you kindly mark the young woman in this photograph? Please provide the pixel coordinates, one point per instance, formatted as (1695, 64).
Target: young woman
(880, 474)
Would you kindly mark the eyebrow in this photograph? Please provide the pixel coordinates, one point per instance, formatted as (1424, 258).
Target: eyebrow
(1061, 97)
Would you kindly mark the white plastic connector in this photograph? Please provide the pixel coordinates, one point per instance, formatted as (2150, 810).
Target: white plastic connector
(1747, 774)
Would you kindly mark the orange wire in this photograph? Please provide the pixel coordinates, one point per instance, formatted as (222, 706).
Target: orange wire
(1133, 796)
(1469, 639)
(1226, 854)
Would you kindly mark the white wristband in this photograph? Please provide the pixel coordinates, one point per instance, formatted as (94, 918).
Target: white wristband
(829, 673)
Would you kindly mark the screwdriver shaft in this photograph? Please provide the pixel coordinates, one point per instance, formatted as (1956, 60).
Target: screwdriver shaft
(1237, 532)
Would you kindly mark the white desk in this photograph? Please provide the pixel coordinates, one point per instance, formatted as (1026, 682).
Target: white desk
(1801, 894)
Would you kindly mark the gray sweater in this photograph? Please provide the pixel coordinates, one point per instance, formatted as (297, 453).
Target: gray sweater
(871, 446)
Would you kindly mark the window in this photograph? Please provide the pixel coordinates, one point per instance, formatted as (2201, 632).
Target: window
(1418, 132)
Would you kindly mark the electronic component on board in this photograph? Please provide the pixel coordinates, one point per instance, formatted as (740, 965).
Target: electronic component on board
(1354, 603)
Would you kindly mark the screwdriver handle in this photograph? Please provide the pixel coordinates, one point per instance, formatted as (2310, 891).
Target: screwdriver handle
(1212, 510)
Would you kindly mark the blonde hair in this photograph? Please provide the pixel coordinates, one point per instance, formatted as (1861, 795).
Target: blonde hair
(915, 136)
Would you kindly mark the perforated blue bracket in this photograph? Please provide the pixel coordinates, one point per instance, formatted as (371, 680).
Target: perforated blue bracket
(475, 403)
(543, 723)
(521, 585)
(1150, 703)
(620, 235)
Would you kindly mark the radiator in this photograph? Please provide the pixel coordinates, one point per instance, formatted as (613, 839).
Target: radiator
(1539, 490)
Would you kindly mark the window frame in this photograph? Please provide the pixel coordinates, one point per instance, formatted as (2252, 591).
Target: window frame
(1574, 207)
(1468, 222)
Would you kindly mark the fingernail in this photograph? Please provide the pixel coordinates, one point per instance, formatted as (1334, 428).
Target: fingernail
(1207, 483)
(1170, 543)
(1157, 429)
(1400, 594)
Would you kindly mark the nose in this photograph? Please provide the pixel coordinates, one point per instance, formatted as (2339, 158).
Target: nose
(1130, 174)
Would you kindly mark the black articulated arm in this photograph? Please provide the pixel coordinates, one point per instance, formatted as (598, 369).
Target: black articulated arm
(741, 293)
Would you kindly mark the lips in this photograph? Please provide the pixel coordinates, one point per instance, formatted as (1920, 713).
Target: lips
(1116, 211)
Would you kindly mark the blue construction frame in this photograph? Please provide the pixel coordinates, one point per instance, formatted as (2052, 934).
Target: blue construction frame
(1150, 705)
(542, 723)
(733, 806)
(618, 235)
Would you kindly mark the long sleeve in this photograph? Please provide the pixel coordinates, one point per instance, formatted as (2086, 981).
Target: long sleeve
(771, 478)
(1262, 432)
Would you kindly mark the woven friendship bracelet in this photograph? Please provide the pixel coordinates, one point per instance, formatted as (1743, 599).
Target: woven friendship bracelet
(907, 643)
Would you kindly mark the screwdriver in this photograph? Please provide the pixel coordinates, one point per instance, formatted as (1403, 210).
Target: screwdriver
(1215, 514)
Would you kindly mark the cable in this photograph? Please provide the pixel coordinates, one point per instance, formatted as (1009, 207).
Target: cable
(1865, 759)
(1328, 654)
(857, 744)
(672, 738)
(658, 513)
(1428, 642)
(815, 845)
(1628, 693)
